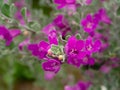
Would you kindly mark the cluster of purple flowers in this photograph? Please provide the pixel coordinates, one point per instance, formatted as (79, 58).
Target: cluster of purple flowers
(60, 23)
(79, 51)
(76, 52)
(91, 22)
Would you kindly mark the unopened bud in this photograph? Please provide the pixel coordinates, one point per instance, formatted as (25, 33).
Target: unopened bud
(60, 57)
(26, 33)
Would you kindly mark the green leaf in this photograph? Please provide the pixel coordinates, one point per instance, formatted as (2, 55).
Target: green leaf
(78, 36)
(13, 10)
(118, 11)
(6, 10)
(57, 49)
(24, 12)
(34, 25)
(1, 3)
(67, 37)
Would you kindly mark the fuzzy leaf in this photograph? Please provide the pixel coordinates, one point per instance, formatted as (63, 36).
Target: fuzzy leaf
(24, 12)
(57, 50)
(6, 10)
(118, 11)
(13, 10)
(78, 36)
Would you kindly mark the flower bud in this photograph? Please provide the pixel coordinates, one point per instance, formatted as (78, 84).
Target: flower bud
(60, 57)
(26, 33)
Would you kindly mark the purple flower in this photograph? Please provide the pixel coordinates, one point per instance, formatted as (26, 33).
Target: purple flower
(91, 46)
(51, 65)
(8, 35)
(49, 75)
(19, 4)
(87, 60)
(60, 21)
(74, 51)
(89, 23)
(14, 32)
(81, 85)
(61, 24)
(102, 37)
(48, 28)
(88, 2)
(102, 15)
(105, 69)
(52, 36)
(63, 3)
(39, 50)
(71, 9)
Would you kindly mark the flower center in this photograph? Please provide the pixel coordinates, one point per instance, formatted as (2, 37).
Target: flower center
(74, 51)
(89, 47)
(89, 25)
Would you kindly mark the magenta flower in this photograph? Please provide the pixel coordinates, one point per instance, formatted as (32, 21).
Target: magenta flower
(52, 65)
(48, 28)
(14, 32)
(88, 2)
(71, 9)
(61, 24)
(60, 21)
(39, 50)
(49, 75)
(8, 35)
(52, 36)
(81, 85)
(104, 38)
(74, 51)
(105, 69)
(91, 46)
(89, 23)
(87, 60)
(102, 15)
(63, 3)
(19, 4)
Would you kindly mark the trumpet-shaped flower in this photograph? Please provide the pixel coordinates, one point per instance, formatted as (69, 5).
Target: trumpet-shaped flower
(74, 51)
